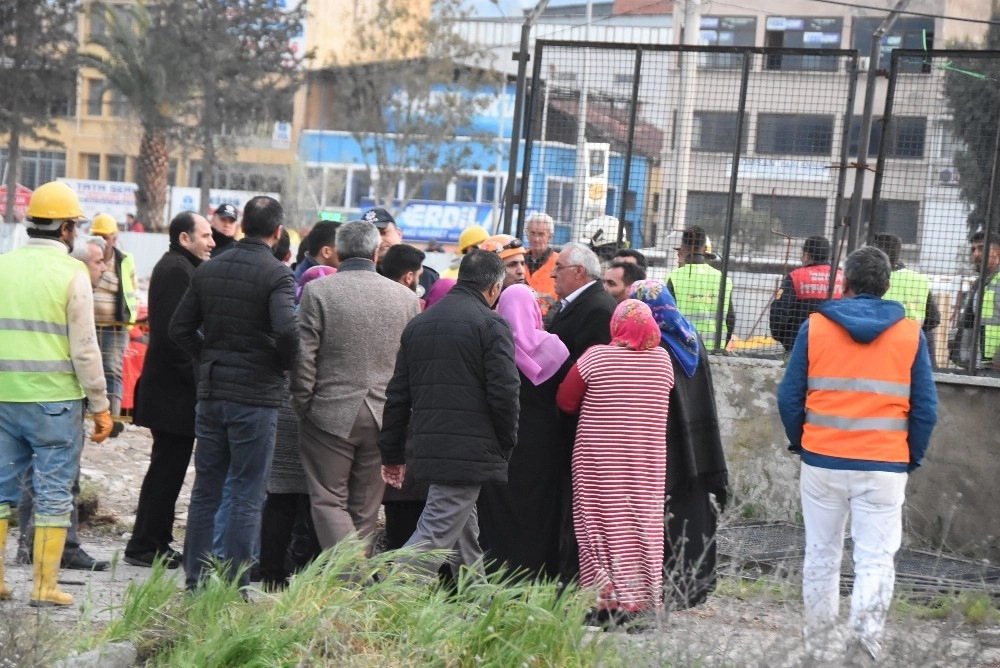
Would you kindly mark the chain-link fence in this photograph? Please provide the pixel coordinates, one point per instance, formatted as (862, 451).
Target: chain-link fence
(630, 144)
(934, 188)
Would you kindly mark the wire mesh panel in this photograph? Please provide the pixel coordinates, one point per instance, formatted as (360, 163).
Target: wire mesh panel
(935, 186)
(632, 144)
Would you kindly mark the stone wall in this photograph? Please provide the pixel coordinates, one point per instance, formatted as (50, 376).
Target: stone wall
(953, 500)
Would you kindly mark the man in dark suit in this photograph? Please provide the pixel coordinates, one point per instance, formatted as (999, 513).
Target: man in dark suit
(165, 395)
(582, 319)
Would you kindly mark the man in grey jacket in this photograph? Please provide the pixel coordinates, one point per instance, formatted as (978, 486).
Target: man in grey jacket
(350, 325)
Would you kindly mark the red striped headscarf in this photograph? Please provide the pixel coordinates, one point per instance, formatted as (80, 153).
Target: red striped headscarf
(633, 326)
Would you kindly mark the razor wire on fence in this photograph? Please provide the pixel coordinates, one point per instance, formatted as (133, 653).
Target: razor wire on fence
(758, 147)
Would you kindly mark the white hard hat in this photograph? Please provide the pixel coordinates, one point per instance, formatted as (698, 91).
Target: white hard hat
(599, 231)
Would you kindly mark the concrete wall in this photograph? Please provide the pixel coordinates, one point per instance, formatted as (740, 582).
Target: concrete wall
(952, 500)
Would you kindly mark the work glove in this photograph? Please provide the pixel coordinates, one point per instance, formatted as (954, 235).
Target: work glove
(102, 427)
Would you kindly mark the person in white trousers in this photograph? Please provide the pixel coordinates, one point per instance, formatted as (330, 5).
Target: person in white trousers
(858, 403)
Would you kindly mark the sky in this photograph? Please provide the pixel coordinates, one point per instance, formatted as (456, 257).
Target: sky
(511, 8)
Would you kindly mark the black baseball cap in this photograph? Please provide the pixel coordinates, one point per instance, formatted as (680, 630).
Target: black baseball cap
(379, 217)
(227, 211)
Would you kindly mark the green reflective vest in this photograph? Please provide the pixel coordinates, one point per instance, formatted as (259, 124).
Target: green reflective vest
(910, 288)
(990, 318)
(125, 275)
(696, 289)
(35, 364)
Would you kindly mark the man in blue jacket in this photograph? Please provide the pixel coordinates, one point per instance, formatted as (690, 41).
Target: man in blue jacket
(858, 403)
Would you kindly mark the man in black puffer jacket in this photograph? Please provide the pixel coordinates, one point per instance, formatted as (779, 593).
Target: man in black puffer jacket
(456, 384)
(237, 320)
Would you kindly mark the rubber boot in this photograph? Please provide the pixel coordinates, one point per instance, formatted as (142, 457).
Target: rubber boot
(49, 543)
(4, 592)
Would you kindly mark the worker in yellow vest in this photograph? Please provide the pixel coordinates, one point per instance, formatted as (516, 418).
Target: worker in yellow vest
(910, 288)
(115, 302)
(49, 361)
(988, 346)
(695, 286)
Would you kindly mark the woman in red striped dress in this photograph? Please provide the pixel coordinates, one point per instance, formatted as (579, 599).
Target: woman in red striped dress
(622, 392)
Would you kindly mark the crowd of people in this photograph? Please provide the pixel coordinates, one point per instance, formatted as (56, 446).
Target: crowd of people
(535, 411)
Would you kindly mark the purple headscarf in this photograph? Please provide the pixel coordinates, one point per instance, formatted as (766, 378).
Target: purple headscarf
(441, 287)
(311, 274)
(538, 354)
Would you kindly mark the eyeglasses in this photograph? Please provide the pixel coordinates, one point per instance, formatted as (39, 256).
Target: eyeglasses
(560, 267)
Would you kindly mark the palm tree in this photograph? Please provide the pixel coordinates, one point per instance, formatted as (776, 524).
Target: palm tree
(138, 57)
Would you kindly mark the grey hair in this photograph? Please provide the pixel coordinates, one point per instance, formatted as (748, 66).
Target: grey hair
(80, 251)
(867, 271)
(358, 238)
(541, 218)
(582, 255)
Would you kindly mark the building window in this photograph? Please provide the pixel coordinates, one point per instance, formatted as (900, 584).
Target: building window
(802, 33)
(361, 185)
(708, 210)
(429, 187)
(95, 97)
(116, 168)
(716, 131)
(37, 167)
(466, 188)
(92, 162)
(725, 31)
(119, 105)
(172, 172)
(895, 216)
(335, 187)
(906, 33)
(794, 134)
(795, 216)
(909, 136)
(97, 24)
(559, 200)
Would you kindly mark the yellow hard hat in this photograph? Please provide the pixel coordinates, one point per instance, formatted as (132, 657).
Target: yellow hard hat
(54, 201)
(471, 236)
(503, 245)
(103, 223)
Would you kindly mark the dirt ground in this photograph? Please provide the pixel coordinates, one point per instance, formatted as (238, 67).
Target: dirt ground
(726, 631)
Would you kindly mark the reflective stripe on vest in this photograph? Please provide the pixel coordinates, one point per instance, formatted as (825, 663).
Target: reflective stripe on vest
(35, 363)
(858, 394)
(991, 319)
(696, 290)
(910, 288)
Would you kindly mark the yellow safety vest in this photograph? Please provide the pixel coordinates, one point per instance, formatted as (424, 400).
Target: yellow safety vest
(990, 319)
(35, 363)
(128, 288)
(910, 288)
(696, 289)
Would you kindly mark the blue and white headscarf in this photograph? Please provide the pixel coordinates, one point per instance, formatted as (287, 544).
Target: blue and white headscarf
(675, 330)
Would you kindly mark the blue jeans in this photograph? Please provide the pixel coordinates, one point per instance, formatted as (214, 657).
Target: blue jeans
(112, 341)
(235, 441)
(49, 438)
(221, 516)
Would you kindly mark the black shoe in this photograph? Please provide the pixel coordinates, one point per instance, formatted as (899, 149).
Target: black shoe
(117, 428)
(76, 559)
(172, 558)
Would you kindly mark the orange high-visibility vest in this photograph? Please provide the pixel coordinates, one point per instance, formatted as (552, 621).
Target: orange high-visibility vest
(858, 395)
(541, 281)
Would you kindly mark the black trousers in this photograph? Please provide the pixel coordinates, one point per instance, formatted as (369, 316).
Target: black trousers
(154, 519)
(288, 539)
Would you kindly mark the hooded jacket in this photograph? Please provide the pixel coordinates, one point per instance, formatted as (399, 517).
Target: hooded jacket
(865, 318)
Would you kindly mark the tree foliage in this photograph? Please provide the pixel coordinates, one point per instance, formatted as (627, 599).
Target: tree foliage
(972, 89)
(136, 56)
(37, 73)
(238, 58)
(405, 95)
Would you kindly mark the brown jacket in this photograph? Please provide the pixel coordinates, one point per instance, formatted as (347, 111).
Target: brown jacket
(350, 327)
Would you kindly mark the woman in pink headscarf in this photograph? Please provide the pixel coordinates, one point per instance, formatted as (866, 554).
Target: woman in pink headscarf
(519, 521)
(622, 391)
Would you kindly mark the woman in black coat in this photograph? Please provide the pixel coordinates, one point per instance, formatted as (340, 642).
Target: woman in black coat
(519, 521)
(697, 477)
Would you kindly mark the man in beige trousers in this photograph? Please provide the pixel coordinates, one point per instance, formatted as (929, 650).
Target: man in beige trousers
(350, 328)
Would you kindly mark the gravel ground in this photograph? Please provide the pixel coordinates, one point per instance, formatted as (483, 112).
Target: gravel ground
(725, 631)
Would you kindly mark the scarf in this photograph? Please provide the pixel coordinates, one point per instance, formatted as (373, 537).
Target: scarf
(309, 275)
(537, 353)
(440, 288)
(679, 334)
(633, 326)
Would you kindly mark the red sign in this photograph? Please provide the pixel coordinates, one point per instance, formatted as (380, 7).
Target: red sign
(21, 198)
